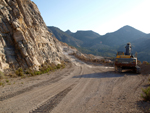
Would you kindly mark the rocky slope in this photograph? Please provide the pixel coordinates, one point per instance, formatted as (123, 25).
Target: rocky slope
(24, 38)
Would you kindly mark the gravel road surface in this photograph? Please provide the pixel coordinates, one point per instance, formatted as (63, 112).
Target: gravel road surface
(79, 88)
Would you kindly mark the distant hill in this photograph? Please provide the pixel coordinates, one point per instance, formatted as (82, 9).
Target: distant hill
(64, 37)
(78, 39)
(107, 45)
(85, 35)
(68, 32)
(119, 37)
(142, 47)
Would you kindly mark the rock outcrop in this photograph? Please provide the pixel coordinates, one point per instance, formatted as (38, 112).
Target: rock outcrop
(24, 38)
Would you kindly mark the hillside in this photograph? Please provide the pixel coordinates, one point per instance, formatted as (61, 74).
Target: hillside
(68, 32)
(119, 37)
(107, 45)
(25, 40)
(142, 47)
(85, 36)
(64, 37)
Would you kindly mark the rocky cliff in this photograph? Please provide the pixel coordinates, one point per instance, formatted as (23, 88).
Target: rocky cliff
(24, 38)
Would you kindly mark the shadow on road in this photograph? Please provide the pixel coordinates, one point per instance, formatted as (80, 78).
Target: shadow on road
(108, 74)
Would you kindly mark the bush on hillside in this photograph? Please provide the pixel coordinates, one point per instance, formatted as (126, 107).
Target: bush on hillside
(19, 72)
(2, 75)
(146, 95)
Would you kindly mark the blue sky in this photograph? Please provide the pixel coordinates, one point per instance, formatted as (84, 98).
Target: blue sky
(101, 16)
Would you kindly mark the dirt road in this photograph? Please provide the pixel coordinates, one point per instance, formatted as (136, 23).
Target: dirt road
(79, 88)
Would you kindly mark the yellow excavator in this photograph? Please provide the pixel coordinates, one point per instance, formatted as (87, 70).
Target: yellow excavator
(126, 60)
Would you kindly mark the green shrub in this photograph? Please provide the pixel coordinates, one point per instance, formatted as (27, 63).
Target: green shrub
(58, 66)
(146, 95)
(19, 72)
(20, 69)
(27, 72)
(45, 68)
(37, 72)
(2, 75)
(32, 74)
(7, 81)
(1, 83)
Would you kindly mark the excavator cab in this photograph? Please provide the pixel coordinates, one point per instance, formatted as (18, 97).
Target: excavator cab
(120, 53)
(128, 49)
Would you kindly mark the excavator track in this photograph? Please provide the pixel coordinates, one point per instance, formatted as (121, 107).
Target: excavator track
(138, 69)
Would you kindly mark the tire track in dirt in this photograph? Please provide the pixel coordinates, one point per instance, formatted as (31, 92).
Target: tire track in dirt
(140, 83)
(2, 98)
(76, 93)
(47, 82)
(52, 102)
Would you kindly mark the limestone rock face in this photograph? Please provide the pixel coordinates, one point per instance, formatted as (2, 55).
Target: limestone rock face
(24, 38)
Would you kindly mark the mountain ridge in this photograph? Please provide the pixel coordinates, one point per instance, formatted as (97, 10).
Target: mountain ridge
(84, 35)
(110, 43)
(121, 36)
(64, 37)
(68, 32)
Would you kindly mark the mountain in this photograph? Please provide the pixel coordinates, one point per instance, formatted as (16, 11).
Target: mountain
(119, 37)
(78, 39)
(85, 36)
(142, 44)
(68, 32)
(107, 45)
(25, 40)
(64, 37)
